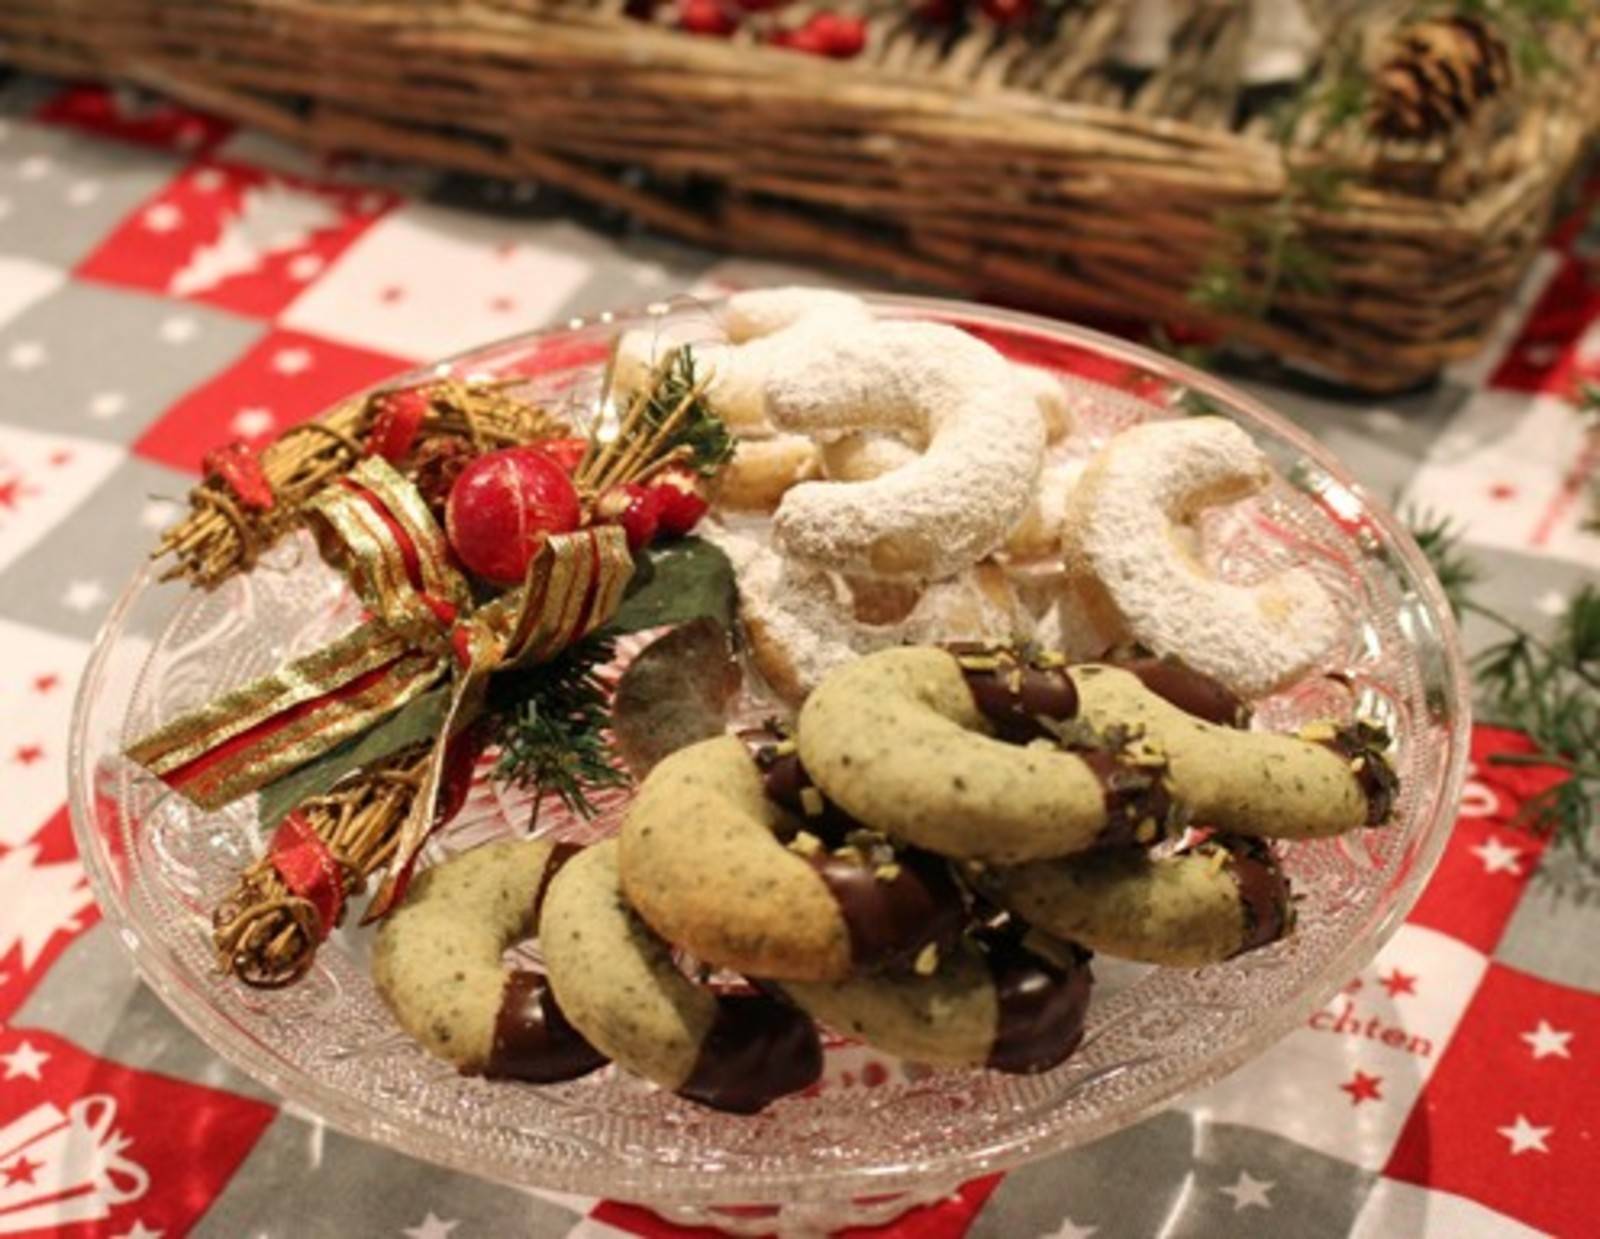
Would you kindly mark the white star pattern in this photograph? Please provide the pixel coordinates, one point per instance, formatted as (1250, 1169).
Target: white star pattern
(1497, 857)
(83, 596)
(35, 168)
(105, 405)
(207, 180)
(1523, 1136)
(252, 421)
(1545, 1041)
(432, 1227)
(291, 360)
(43, 900)
(26, 355)
(178, 330)
(1070, 1230)
(24, 1061)
(1552, 603)
(82, 193)
(163, 217)
(1249, 1191)
(140, 1231)
(304, 266)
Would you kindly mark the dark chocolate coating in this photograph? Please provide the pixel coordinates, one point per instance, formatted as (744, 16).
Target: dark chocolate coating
(1041, 1007)
(1133, 794)
(1263, 891)
(1191, 691)
(891, 920)
(757, 1050)
(1379, 783)
(532, 1038)
(783, 778)
(1014, 695)
(560, 854)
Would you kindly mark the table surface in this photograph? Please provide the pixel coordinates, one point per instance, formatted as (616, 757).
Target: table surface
(167, 282)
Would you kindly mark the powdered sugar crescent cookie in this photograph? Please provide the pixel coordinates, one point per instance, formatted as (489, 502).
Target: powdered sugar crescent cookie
(1039, 534)
(951, 506)
(762, 471)
(801, 622)
(1123, 529)
(765, 327)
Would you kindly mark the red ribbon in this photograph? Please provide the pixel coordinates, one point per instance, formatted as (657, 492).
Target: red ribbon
(308, 869)
(396, 422)
(239, 469)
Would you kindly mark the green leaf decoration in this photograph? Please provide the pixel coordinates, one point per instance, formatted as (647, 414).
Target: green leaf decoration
(413, 723)
(685, 580)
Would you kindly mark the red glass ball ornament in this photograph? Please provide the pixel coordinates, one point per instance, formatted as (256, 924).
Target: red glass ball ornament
(503, 507)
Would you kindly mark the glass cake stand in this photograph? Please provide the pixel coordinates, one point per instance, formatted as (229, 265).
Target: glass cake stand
(879, 1135)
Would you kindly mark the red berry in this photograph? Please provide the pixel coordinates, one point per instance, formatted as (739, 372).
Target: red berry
(1007, 12)
(680, 501)
(568, 453)
(706, 17)
(503, 507)
(396, 419)
(636, 508)
(826, 34)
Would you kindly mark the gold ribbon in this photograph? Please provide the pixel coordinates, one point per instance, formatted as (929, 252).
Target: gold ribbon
(373, 525)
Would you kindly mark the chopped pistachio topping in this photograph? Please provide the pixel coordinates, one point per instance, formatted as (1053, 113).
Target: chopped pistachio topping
(811, 802)
(806, 843)
(927, 962)
(785, 748)
(887, 873)
(1318, 732)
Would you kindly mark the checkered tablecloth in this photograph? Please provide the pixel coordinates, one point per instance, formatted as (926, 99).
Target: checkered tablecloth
(167, 282)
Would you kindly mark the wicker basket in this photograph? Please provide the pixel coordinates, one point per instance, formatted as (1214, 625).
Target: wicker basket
(1027, 170)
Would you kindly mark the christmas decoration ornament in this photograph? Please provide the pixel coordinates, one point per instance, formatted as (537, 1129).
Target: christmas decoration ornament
(1441, 72)
(242, 506)
(637, 509)
(361, 749)
(680, 503)
(503, 507)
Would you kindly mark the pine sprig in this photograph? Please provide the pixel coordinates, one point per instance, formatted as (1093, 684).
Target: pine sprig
(700, 430)
(550, 724)
(1549, 689)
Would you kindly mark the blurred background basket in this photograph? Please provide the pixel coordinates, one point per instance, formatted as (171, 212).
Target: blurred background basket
(1362, 209)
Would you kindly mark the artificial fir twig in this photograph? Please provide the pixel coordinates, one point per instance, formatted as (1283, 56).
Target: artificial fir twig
(550, 723)
(1547, 688)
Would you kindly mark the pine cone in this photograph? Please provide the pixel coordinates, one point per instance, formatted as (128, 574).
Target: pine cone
(1442, 71)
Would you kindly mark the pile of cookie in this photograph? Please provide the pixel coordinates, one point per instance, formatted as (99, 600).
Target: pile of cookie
(925, 864)
(1023, 735)
(901, 482)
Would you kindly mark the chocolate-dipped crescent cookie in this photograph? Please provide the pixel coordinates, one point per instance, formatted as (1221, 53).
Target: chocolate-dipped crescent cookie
(913, 742)
(1211, 902)
(436, 963)
(617, 982)
(990, 1002)
(702, 863)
